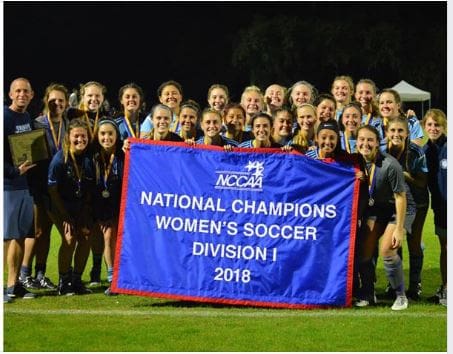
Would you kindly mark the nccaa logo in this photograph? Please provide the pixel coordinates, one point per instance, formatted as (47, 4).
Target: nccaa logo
(252, 179)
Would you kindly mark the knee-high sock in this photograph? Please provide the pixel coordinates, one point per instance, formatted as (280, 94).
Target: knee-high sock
(415, 269)
(109, 274)
(366, 273)
(66, 277)
(394, 270)
(97, 262)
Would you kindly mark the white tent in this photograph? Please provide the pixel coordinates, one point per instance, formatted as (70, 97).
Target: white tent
(411, 93)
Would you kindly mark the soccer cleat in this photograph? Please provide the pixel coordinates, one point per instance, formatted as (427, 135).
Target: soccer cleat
(414, 292)
(45, 283)
(400, 303)
(18, 290)
(65, 288)
(29, 283)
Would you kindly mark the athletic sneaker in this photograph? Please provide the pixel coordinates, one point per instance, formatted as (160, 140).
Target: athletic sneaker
(443, 298)
(18, 290)
(366, 301)
(362, 303)
(414, 292)
(400, 303)
(65, 288)
(29, 283)
(45, 283)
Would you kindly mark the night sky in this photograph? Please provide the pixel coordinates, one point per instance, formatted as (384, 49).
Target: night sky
(193, 43)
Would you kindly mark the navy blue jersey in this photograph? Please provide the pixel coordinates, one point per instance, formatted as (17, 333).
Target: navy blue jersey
(107, 195)
(413, 161)
(13, 123)
(42, 122)
(416, 163)
(39, 174)
(63, 175)
(436, 158)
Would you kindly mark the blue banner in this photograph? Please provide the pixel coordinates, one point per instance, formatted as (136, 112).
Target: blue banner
(252, 227)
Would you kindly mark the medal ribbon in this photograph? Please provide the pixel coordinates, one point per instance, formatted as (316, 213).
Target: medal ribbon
(346, 142)
(368, 117)
(77, 171)
(371, 174)
(174, 124)
(107, 169)
(92, 129)
(129, 129)
(56, 139)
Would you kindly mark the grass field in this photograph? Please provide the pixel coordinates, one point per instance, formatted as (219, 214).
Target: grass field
(129, 323)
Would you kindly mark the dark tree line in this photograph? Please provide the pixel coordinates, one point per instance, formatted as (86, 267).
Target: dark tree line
(288, 48)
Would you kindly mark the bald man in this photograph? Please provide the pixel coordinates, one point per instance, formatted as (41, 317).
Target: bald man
(18, 203)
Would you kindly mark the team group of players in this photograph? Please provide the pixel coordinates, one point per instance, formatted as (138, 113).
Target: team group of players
(78, 189)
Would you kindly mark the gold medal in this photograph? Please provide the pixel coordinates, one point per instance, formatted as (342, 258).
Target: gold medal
(107, 168)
